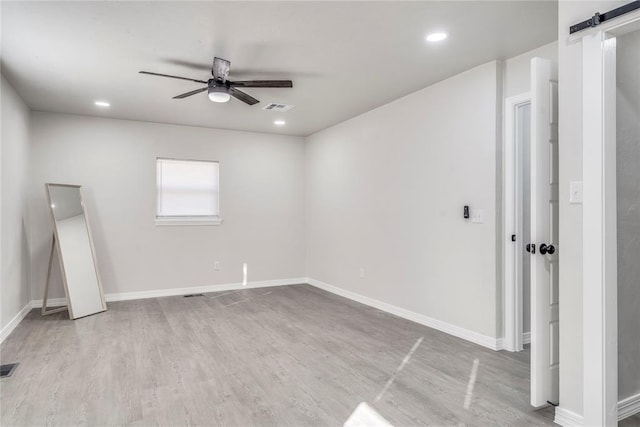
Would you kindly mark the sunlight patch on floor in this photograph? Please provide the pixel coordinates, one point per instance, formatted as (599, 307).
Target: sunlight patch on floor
(472, 382)
(366, 416)
(402, 364)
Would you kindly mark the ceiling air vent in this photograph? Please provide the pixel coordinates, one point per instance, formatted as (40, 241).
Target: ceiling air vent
(280, 108)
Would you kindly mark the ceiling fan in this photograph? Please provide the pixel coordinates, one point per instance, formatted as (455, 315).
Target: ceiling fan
(220, 88)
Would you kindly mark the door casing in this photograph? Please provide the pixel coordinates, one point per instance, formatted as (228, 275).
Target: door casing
(512, 208)
(599, 227)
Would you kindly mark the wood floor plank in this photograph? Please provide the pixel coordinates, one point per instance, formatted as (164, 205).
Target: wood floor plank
(283, 356)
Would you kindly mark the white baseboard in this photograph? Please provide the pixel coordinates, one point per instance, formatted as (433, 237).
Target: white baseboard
(566, 418)
(51, 302)
(457, 331)
(526, 339)
(126, 296)
(6, 331)
(628, 407)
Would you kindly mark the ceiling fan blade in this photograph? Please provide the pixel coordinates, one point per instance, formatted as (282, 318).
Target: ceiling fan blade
(220, 69)
(242, 96)
(193, 92)
(173, 77)
(262, 83)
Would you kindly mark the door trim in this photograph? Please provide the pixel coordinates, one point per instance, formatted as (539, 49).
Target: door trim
(512, 205)
(599, 259)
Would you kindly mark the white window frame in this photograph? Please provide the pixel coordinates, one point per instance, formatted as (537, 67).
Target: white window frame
(184, 219)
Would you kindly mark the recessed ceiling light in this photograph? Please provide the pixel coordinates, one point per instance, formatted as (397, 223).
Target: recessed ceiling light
(436, 37)
(279, 123)
(102, 104)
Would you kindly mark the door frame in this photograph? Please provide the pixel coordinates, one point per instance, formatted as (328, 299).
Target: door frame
(599, 259)
(512, 207)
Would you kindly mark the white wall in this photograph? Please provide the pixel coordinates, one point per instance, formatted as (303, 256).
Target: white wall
(262, 193)
(517, 70)
(14, 153)
(385, 192)
(570, 161)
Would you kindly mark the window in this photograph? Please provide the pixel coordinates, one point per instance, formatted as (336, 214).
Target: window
(187, 192)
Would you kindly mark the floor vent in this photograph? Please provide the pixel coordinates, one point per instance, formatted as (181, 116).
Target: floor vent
(280, 108)
(193, 295)
(7, 370)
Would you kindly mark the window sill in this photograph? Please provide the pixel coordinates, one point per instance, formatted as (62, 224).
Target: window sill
(188, 221)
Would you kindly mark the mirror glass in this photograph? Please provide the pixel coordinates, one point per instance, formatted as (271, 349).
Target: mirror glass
(75, 250)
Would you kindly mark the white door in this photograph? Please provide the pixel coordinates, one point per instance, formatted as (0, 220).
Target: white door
(544, 233)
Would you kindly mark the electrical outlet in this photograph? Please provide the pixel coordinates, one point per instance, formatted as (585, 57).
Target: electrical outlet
(216, 265)
(362, 272)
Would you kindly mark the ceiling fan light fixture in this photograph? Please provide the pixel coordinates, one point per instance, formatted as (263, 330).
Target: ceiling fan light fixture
(219, 94)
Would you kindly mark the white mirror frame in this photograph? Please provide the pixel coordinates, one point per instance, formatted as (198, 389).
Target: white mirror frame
(60, 259)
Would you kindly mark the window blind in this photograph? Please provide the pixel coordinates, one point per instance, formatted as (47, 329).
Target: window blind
(187, 188)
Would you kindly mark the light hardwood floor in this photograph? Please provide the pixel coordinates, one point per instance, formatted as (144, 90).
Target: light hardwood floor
(290, 356)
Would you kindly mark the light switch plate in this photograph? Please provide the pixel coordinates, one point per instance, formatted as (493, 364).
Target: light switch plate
(575, 192)
(477, 216)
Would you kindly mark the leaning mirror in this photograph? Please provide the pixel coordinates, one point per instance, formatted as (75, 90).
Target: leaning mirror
(74, 245)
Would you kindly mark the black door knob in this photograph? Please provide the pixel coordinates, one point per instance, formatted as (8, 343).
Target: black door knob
(547, 249)
(531, 247)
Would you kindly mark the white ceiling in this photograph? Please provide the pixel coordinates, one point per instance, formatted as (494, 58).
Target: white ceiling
(344, 58)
